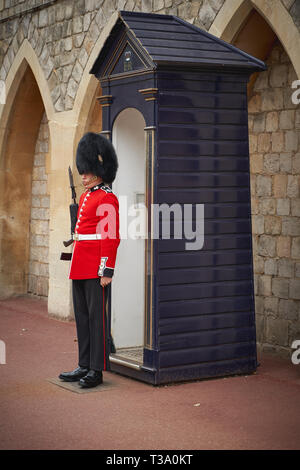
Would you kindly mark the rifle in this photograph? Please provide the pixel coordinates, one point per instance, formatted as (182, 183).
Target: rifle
(73, 216)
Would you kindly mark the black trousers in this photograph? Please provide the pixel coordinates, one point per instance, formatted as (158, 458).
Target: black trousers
(90, 308)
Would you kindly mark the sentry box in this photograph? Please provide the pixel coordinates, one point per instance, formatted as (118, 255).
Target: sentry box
(174, 103)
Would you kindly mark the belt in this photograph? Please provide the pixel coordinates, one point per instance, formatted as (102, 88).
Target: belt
(85, 236)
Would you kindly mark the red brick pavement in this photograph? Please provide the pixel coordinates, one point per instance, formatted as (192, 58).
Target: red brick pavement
(260, 411)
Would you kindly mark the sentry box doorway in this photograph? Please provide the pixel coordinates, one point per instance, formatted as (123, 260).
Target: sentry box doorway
(174, 103)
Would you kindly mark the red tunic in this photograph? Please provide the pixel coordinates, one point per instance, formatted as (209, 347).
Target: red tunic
(98, 213)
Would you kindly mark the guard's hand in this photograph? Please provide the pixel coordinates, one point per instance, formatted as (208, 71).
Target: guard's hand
(104, 281)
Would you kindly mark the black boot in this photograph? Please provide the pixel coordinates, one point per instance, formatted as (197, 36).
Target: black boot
(92, 378)
(74, 375)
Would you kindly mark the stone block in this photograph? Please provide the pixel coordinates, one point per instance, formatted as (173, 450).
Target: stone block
(297, 119)
(279, 185)
(296, 163)
(39, 227)
(267, 205)
(87, 21)
(252, 143)
(41, 240)
(272, 99)
(262, 81)
(295, 210)
(59, 13)
(288, 309)
(259, 305)
(67, 29)
(39, 214)
(250, 122)
(294, 289)
(41, 253)
(270, 266)
(278, 75)
(291, 141)
(271, 305)
(254, 205)
(277, 331)
(256, 163)
(254, 104)
(78, 39)
(297, 271)
(35, 201)
(280, 287)
(258, 264)
(43, 18)
(259, 120)
(264, 285)
(283, 206)
(77, 72)
(68, 43)
(293, 187)
(83, 57)
(272, 225)
(267, 246)
(277, 140)
(258, 224)
(42, 286)
(291, 226)
(285, 162)
(31, 283)
(69, 10)
(263, 185)
(272, 121)
(77, 25)
(39, 174)
(271, 162)
(45, 202)
(295, 251)
(206, 14)
(39, 188)
(287, 119)
(255, 284)
(285, 267)
(72, 88)
(264, 142)
(89, 5)
(283, 248)
(260, 327)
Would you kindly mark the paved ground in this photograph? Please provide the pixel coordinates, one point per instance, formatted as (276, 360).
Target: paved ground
(260, 411)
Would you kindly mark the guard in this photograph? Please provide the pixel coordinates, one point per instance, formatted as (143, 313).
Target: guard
(96, 240)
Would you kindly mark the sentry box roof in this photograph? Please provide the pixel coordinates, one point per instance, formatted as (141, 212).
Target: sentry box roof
(165, 40)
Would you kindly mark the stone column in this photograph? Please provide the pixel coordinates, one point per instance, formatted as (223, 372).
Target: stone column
(62, 135)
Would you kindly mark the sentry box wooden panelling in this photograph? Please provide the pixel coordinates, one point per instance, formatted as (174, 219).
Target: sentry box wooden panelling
(174, 103)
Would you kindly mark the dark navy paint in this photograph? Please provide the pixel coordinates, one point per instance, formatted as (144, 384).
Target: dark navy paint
(203, 315)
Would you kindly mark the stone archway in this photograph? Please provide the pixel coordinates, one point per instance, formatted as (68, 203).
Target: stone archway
(232, 15)
(18, 147)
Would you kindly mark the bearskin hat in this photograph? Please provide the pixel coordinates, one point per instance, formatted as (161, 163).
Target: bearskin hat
(96, 154)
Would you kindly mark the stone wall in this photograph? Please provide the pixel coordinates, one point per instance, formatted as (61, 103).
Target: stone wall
(38, 275)
(274, 123)
(63, 33)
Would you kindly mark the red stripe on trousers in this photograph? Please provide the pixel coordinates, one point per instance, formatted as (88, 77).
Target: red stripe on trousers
(104, 362)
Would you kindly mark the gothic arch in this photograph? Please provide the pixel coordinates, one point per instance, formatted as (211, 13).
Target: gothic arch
(27, 98)
(233, 14)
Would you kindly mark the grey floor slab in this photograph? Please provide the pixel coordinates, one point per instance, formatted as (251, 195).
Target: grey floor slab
(75, 387)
